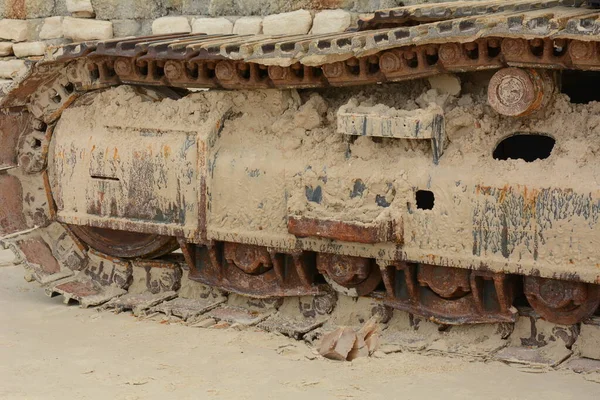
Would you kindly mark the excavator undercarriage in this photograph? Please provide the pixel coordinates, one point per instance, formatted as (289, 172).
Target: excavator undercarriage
(319, 166)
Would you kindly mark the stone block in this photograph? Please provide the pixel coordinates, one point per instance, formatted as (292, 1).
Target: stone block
(128, 9)
(28, 49)
(52, 28)
(331, 21)
(22, 9)
(12, 68)
(14, 29)
(126, 27)
(212, 26)
(166, 25)
(248, 26)
(195, 7)
(79, 29)
(80, 6)
(6, 49)
(292, 23)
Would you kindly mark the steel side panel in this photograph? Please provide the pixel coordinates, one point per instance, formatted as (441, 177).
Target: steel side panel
(132, 179)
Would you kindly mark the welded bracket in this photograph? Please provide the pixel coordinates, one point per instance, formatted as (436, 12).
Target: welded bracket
(423, 124)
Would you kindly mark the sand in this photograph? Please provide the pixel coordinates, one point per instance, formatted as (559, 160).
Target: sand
(51, 350)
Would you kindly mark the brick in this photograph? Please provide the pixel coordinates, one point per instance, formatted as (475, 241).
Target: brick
(79, 29)
(248, 26)
(292, 23)
(171, 25)
(12, 68)
(14, 29)
(331, 21)
(126, 27)
(52, 28)
(6, 49)
(212, 26)
(27, 49)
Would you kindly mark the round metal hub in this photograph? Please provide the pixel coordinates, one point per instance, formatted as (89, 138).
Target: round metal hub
(518, 92)
(449, 283)
(125, 244)
(562, 302)
(251, 259)
(360, 275)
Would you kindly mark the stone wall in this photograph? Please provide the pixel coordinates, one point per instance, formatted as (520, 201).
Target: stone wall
(29, 27)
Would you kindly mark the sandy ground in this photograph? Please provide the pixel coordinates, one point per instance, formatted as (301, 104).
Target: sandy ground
(51, 350)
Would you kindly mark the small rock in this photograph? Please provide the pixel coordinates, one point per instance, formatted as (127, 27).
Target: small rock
(212, 26)
(79, 29)
(166, 25)
(291, 23)
(369, 332)
(331, 21)
(337, 345)
(248, 26)
(14, 29)
(358, 350)
(27, 49)
(6, 49)
(52, 28)
(446, 83)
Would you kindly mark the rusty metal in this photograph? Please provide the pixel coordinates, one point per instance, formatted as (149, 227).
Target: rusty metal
(251, 259)
(125, 244)
(290, 275)
(12, 126)
(445, 282)
(449, 295)
(562, 302)
(11, 205)
(361, 275)
(344, 231)
(518, 92)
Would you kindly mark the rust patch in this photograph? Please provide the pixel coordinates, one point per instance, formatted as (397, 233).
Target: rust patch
(38, 255)
(11, 205)
(344, 231)
(12, 125)
(78, 289)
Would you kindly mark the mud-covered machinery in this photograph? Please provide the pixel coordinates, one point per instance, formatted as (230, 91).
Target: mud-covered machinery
(320, 162)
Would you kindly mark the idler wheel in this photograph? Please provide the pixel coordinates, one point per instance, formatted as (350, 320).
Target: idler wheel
(124, 244)
(449, 283)
(517, 92)
(360, 276)
(562, 302)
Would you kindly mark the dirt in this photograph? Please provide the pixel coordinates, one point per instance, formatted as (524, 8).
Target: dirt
(51, 350)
